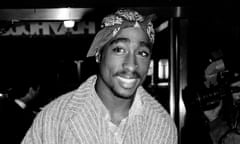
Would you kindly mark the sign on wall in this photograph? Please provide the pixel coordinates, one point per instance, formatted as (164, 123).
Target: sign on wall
(50, 29)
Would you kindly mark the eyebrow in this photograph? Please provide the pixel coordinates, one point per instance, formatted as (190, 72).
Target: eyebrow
(122, 39)
(117, 40)
(146, 44)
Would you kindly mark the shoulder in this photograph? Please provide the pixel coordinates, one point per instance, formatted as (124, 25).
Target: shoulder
(152, 106)
(158, 124)
(71, 99)
(65, 105)
(55, 119)
(53, 110)
(156, 115)
(154, 111)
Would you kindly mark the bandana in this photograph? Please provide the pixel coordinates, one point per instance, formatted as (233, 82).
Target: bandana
(121, 19)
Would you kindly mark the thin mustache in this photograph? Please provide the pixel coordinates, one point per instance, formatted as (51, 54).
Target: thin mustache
(133, 74)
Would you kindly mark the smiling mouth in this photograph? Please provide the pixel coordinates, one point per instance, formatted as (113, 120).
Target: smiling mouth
(127, 82)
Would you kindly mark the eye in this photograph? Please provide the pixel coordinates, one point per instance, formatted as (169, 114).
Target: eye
(144, 53)
(119, 50)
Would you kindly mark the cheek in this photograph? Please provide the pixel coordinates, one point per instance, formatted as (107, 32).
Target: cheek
(143, 66)
(110, 65)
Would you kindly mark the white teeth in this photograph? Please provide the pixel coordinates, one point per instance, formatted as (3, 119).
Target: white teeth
(127, 83)
(125, 80)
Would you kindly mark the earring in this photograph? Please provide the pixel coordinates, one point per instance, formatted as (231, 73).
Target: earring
(97, 60)
(97, 57)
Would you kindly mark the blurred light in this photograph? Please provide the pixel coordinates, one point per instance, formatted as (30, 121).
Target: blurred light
(163, 69)
(64, 13)
(43, 14)
(70, 13)
(163, 84)
(69, 23)
(162, 26)
(150, 70)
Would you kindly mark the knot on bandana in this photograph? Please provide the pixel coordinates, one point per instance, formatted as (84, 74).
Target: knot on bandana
(123, 16)
(120, 16)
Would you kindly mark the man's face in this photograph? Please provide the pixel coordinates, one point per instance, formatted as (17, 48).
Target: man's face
(124, 62)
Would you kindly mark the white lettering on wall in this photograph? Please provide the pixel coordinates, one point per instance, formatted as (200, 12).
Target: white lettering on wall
(50, 28)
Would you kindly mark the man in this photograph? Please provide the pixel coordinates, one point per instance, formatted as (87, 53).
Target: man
(112, 107)
(16, 112)
(214, 112)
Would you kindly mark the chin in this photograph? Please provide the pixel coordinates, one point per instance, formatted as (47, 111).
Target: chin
(125, 93)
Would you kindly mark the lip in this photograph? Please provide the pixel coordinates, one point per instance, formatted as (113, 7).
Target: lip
(127, 82)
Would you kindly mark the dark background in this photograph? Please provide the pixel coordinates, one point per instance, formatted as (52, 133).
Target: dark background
(211, 25)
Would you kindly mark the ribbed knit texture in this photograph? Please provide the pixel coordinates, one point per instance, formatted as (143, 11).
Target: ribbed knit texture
(79, 117)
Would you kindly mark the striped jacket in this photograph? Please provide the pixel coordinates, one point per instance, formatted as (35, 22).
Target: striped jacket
(79, 117)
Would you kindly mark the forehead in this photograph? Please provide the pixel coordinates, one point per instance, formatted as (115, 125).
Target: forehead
(133, 34)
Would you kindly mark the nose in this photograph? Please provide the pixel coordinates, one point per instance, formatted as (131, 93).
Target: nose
(130, 62)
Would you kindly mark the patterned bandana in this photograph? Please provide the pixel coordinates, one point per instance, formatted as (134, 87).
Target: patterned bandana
(121, 19)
